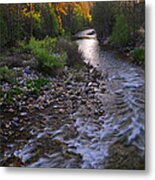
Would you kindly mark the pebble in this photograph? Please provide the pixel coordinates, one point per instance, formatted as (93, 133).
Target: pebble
(15, 118)
(90, 83)
(23, 113)
(11, 110)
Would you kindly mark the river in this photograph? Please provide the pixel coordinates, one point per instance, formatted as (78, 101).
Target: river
(113, 139)
(124, 120)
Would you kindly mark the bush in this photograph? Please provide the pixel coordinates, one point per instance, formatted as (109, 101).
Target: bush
(34, 86)
(47, 43)
(49, 60)
(120, 33)
(7, 97)
(50, 63)
(7, 75)
(22, 46)
(74, 56)
(139, 54)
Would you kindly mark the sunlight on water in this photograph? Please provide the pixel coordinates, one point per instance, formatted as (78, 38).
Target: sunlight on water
(90, 49)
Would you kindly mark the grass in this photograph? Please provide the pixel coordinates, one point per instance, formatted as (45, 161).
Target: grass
(139, 54)
(7, 75)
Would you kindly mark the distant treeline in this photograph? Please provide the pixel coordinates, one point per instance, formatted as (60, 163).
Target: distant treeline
(119, 20)
(22, 21)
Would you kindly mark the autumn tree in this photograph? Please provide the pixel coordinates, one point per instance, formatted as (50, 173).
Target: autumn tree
(73, 15)
(22, 21)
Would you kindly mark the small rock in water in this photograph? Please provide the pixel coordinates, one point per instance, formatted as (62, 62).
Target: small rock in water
(69, 87)
(15, 118)
(11, 110)
(23, 113)
(55, 106)
(61, 110)
(15, 124)
(90, 83)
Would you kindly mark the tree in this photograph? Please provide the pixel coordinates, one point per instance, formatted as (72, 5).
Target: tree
(3, 28)
(120, 33)
(22, 21)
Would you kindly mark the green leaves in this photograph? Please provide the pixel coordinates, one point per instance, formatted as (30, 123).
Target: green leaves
(120, 33)
(49, 60)
(139, 54)
(7, 74)
(7, 97)
(34, 86)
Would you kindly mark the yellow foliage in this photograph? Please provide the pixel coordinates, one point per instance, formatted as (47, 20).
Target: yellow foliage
(61, 9)
(30, 12)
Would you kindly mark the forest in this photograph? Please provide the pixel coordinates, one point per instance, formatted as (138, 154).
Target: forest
(50, 88)
(120, 20)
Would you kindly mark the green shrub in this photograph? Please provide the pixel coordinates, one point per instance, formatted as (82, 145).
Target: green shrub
(50, 63)
(120, 32)
(47, 43)
(34, 86)
(139, 54)
(49, 60)
(74, 57)
(22, 46)
(7, 75)
(7, 97)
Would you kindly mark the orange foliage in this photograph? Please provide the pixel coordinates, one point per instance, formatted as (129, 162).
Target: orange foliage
(63, 7)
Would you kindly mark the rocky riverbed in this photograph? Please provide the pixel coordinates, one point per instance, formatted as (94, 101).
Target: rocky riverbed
(35, 125)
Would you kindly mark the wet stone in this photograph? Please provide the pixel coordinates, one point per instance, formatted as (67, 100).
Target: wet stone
(15, 119)
(23, 114)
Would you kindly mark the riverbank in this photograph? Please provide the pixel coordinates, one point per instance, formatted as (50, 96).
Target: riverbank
(122, 54)
(133, 51)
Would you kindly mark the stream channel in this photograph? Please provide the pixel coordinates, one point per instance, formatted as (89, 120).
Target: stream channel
(114, 138)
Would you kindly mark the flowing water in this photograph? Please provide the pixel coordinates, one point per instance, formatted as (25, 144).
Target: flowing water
(124, 106)
(84, 141)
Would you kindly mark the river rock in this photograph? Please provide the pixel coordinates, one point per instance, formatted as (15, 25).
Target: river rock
(15, 119)
(23, 114)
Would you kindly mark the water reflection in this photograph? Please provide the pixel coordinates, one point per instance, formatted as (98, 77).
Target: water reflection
(90, 49)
